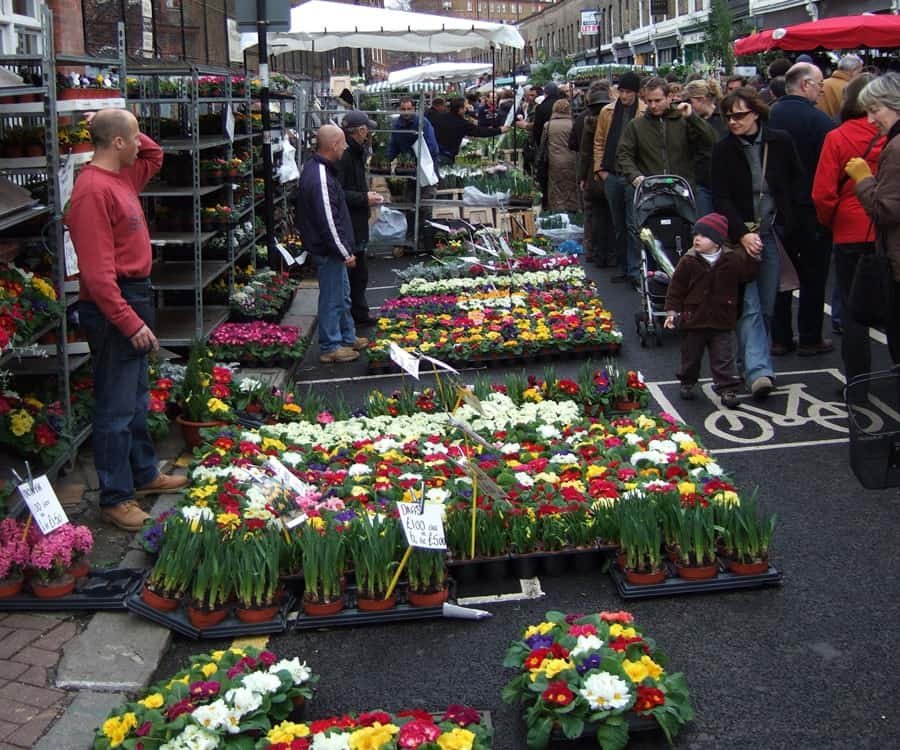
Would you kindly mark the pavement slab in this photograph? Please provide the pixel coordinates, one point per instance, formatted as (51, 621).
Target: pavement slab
(75, 729)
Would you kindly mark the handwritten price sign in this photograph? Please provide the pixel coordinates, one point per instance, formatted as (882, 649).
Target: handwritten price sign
(423, 525)
(43, 504)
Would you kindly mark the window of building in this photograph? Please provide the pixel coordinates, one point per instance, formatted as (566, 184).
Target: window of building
(27, 42)
(24, 8)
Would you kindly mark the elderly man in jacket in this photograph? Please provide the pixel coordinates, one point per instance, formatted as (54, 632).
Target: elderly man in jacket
(324, 223)
(848, 67)
(352, 175)
(596, 212)
(611, 123)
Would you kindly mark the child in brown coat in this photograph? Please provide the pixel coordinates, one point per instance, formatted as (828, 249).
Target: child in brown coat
(704, 296)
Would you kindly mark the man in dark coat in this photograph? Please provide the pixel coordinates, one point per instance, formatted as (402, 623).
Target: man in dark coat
(542, 117)
(597, 222)
(797, 114)
(351, 171)
(452, 126)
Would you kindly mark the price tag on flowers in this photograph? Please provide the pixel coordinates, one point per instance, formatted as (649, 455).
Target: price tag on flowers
(423, 525)
(43, 504)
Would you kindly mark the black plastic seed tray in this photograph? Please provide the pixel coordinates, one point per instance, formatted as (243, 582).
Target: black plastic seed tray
(637, 725)
(675, 586)
(351, 616)
(561, 562)
(230, 627)
(99, 590)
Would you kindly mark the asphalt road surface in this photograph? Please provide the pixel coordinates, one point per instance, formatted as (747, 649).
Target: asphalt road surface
(812, 664)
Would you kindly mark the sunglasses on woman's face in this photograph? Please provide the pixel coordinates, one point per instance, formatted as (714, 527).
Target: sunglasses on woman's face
(737, 116)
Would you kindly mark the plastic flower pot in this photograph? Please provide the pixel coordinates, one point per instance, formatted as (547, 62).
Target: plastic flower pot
(623, 405)
(433, 599)
(190, 431)
(748, 569)
(253, 615)
(11, 586)
(378, 604)
(162, 603)
(638, 578)
(55, 588)
(525, 566)
(80, 569)
(586, 560)
(554, 564)
(322, 609)
(697, 572)
(201, 618)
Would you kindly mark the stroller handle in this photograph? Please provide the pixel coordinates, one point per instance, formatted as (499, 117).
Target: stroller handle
(672, 184)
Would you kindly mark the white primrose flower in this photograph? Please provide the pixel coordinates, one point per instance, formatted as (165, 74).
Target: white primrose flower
(409, 476)
(261, 682)
(548, 432)
(437, 495)
(358, 470)
(509, 449)
(248, 385)
(195, 513)
(192, 738)
(632, 438)
(654, 457)
(524, 479)
(682, 437)
(585, 644)
(291, 458)
(564, 458)
(300, 673)
(334, 742)
(243, 700)
(213, 716)
(663, 446)
(604, 691)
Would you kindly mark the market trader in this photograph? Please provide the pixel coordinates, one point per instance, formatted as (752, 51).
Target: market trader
(323, 220)
(452, 126)
(112, 242)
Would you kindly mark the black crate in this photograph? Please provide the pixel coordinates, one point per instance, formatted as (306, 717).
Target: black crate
(675, 586)
(99, 590)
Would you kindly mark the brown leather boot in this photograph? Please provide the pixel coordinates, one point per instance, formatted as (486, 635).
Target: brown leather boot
(163, 483)
(127, 515)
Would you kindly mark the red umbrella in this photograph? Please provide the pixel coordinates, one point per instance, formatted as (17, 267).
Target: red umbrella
(841, 32)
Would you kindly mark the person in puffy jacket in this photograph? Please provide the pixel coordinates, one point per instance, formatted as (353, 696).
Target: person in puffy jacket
(840, 211)
(879, 193)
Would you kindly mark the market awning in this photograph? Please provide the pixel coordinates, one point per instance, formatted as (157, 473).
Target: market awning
(375, 88)
(320, 26)
(842, 32)
(448, 72)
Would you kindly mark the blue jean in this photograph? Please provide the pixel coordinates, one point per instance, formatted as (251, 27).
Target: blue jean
(336, 328)
(754, 325)
(124, 455)
(620, 197)
(703, 200)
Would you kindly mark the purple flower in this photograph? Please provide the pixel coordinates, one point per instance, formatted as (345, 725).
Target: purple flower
(539, 641)
(591, 662)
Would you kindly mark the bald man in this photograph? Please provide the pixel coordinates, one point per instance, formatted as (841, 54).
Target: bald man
(107, 226)
(324, 223)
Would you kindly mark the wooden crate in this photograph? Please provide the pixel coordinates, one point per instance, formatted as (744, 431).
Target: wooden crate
(445, 212)
(519, 224)
(479, 215)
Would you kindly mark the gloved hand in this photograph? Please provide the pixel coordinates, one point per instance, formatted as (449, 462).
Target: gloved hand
(857, 169)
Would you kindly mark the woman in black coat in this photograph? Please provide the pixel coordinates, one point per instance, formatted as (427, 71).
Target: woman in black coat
(778, 204)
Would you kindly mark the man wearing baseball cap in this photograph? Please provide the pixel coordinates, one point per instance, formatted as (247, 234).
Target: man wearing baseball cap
(351, 172)
(611, 123)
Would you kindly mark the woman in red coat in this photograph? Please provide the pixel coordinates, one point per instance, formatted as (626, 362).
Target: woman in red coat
(839, 209)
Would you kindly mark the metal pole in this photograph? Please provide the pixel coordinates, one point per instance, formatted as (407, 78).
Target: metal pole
(269, 211)
(515, 138)
(493, 88)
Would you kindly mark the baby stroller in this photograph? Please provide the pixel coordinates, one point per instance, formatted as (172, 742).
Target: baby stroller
(664, 215)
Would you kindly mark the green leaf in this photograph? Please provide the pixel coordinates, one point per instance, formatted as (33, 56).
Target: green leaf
(572, 726)
(539, 734)
(613, 734)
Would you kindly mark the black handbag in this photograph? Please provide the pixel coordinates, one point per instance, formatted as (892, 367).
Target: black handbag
(871, 299)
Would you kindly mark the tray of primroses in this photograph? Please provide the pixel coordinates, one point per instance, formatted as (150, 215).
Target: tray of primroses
(594, 675)
(227, 698)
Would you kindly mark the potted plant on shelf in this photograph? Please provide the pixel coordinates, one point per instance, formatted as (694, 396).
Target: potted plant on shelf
(747, 536)
(79, 138)
(323, 566)
(405, 164)
(14, 557)
(374, 541)
(696, 536)
(212, 171)
(427, 574)
(200, 407)
(255, 566)
(211, 583)
(640, 542)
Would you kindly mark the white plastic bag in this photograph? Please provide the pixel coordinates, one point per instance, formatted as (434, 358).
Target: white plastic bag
(390, 226)
(288, 170)
(472, 196)
(427, 175)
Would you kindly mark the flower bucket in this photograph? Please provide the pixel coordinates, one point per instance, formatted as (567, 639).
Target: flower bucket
(748, 569)
(201, 618)
(433, 599)
(190, 431)
(376, 605)
(637, 578)
(697, 572)
(55, 588)
(11, 586)
(162, 603)
(253, 615)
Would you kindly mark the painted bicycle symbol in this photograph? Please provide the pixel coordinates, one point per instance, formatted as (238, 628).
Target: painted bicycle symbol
(752, 424)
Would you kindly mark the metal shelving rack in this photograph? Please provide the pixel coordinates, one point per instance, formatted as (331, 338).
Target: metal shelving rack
(29, 170)
(178, 324)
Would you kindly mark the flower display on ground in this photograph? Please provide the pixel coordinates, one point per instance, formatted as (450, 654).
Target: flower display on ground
(600, 687)
(258, 341)
(263, 296)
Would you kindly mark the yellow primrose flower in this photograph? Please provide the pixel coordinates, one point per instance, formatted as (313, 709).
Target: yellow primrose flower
(316, 522)
(638, 671)
(372, 737)
(228, 521)
(152, 701)
(217, 406)
(687, 446)
(32, 401)
(209, 670)
(552, 667)
(687, 488)
(268, 443)
(616, 630)
(117, 728)
(456, 739)
(645, 423)
(43, 287)
(699, 459)
(625, 429)
(20, 422)
(542, 628)
(287, 731)
(728, 498)
(292, 408)
(358, 491)
(630, 486)
(546, 476)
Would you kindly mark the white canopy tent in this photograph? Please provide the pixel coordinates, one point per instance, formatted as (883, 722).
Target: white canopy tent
(445, 72)
(320, 26)
(374, 88)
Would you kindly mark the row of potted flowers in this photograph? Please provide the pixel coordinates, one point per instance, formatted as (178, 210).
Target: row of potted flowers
(455, 244)
(264, 296)
(258, 342)
(471, 266)
(49, 564)
(592, 675)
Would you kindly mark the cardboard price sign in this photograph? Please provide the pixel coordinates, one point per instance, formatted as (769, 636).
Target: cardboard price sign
(404, 360)
(284, 476)
(423, 525)
(43, 503)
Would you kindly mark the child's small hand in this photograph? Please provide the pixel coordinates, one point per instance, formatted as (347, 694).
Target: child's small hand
(670, 321)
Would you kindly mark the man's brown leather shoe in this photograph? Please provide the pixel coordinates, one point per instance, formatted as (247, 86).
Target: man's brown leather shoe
(163, 483)
(127, 515)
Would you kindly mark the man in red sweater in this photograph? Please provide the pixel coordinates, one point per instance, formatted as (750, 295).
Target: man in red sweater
(107, 226)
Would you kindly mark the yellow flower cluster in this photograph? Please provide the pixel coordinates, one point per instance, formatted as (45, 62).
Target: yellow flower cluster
(117, 728)
(286, 732)
(638, 671)
(551, 668)
(20, 422)
(372, 737)
(217, 406)
(153, 701)
(456, 739)
(542, 628)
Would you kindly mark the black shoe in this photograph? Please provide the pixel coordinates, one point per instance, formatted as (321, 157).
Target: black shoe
(730, 400)
(687, 392)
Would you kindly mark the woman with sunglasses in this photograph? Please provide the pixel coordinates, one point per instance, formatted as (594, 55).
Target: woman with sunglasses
(757, 183)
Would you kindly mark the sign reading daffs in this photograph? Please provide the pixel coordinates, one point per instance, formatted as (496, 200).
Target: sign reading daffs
(587, 674)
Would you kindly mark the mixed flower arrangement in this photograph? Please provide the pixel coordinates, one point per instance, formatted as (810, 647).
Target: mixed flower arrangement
(263, 296)
(593, 674)
(23, 548)
(224, 698)
(28, 301)
(257, 341)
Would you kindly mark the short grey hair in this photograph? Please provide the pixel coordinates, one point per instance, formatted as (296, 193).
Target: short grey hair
(797, 73)
(850, 63)
(883, 91)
